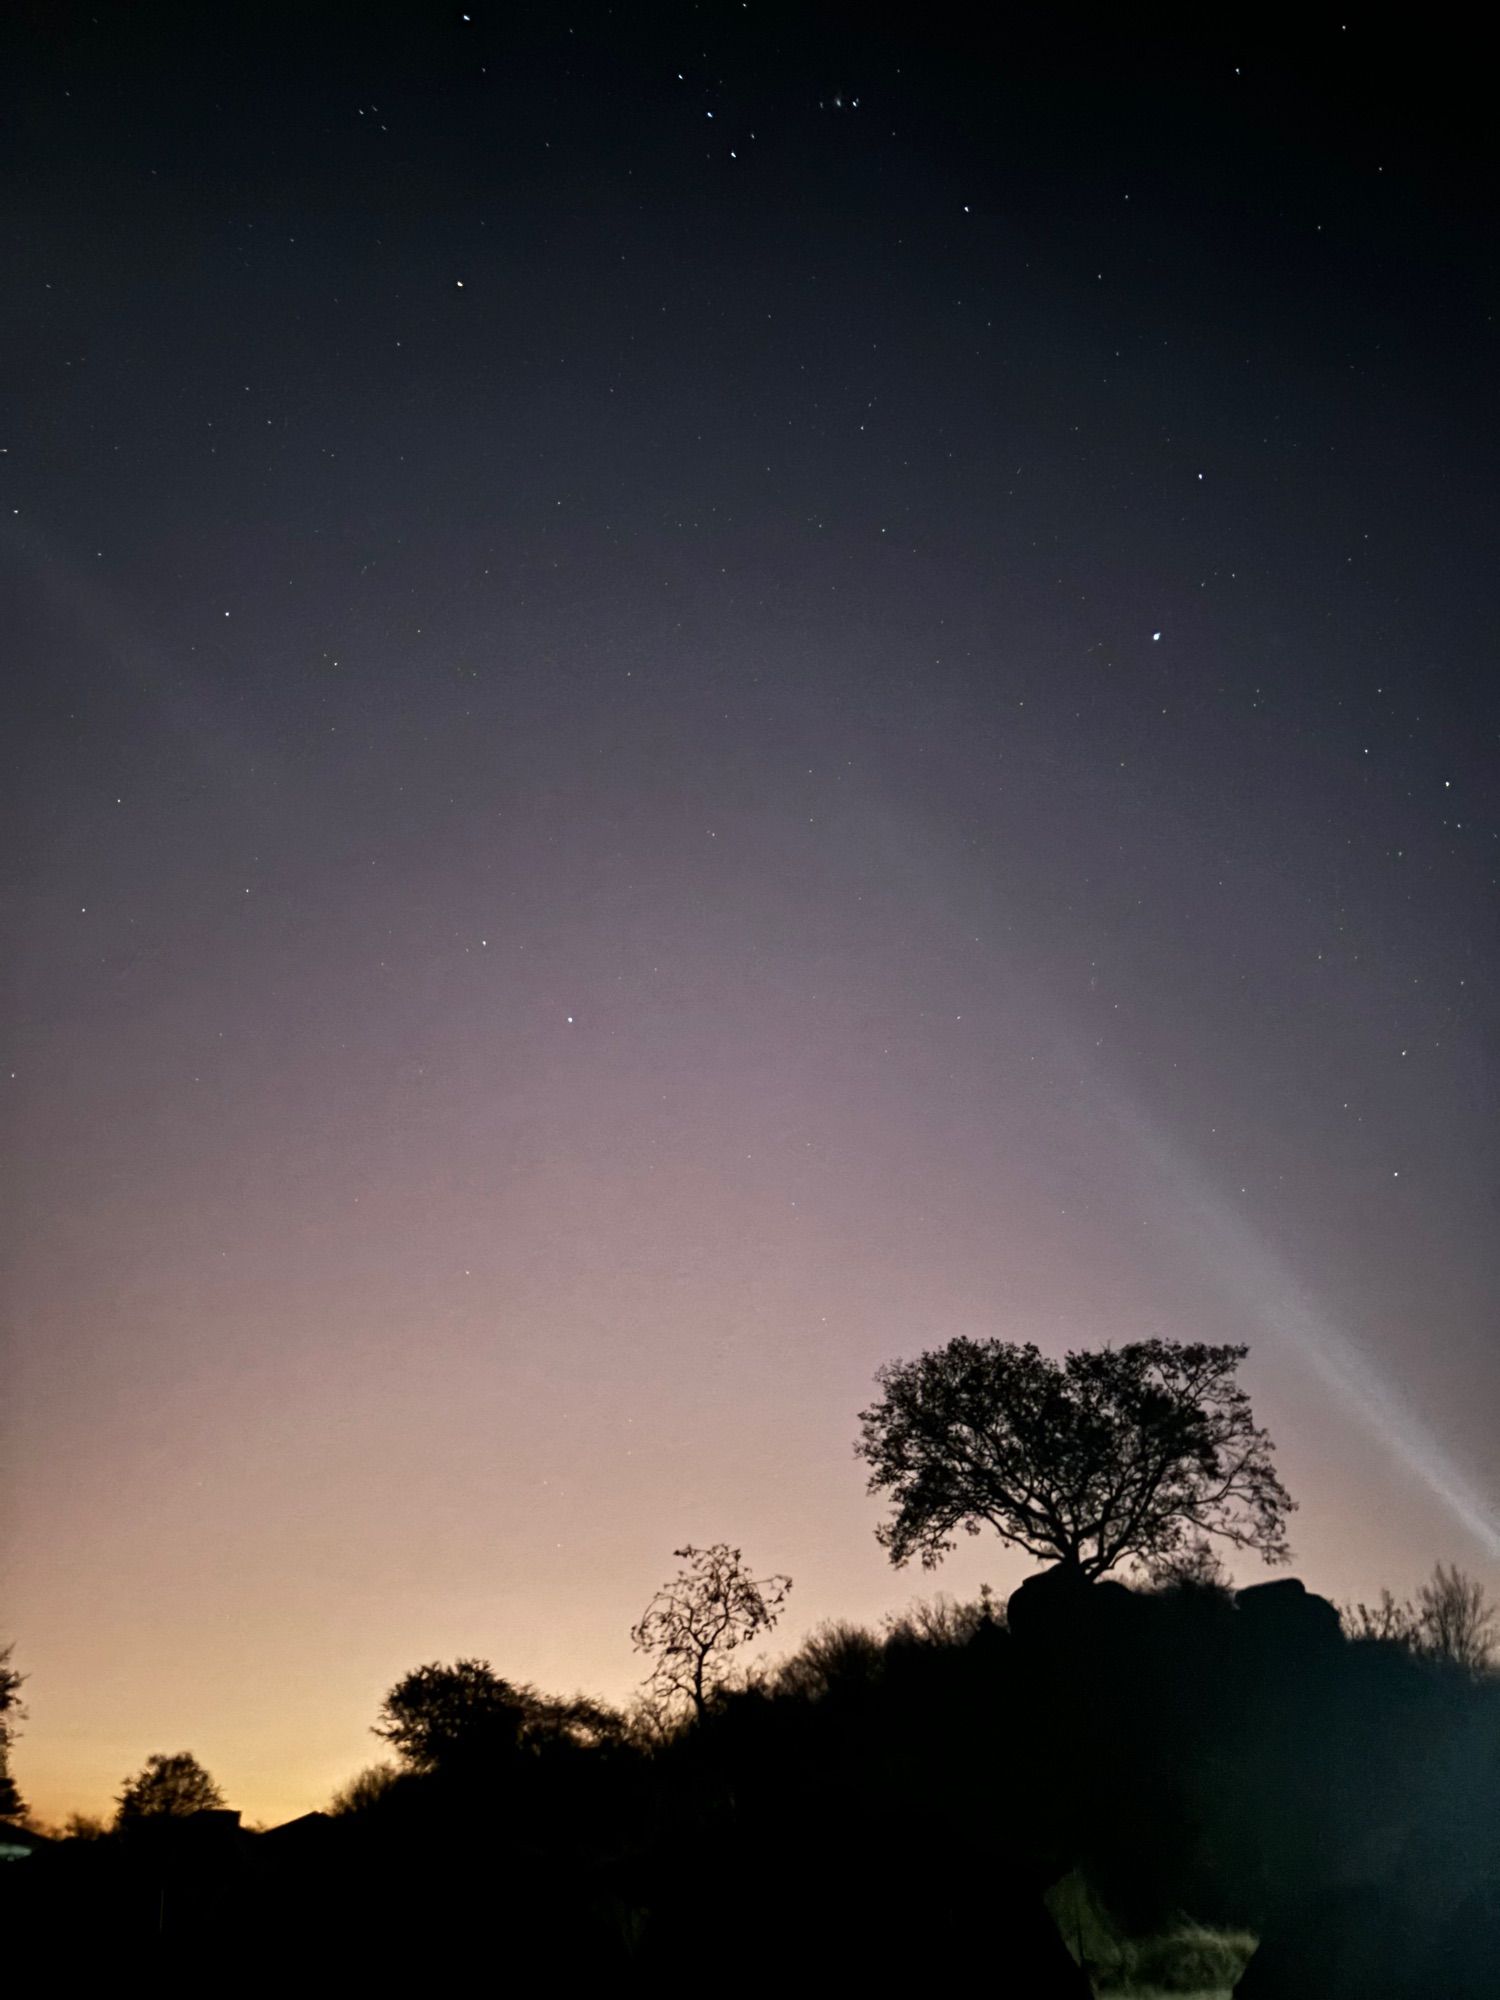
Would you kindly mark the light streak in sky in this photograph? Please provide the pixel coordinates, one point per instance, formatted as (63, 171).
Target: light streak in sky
(1238, 1255)
(957, 889)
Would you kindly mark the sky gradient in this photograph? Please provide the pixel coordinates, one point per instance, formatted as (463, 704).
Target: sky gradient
(693, 701)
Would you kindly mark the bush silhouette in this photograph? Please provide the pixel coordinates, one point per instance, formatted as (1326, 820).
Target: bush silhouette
(167, 1788)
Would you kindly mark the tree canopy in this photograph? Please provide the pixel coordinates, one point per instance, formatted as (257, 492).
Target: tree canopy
(167, 1787)
(12, 1805)
(441, 1718)
(1111, 1455)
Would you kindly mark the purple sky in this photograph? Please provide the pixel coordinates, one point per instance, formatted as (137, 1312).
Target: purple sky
(670, 736)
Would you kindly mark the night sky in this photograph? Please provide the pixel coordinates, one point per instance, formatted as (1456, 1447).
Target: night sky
(693, 697)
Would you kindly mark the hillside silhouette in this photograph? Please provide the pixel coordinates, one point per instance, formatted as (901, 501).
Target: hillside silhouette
(951, 1797)
(1170, 1786)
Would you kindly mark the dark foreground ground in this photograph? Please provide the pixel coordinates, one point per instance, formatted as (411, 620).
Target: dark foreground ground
(330, 1902)
(1213, 1765)
(335, 1901)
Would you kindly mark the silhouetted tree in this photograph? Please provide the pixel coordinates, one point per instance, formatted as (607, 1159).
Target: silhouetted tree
(12, 1805)
(1116, 1454)
(366, 1789)
(835, 1655)
(1389, 1622)
(1456, 1620)
(942, 1621)
(439, 1716)
(1452, 1620)
(445, 1718)
(651, 1720)
(696, 1621)
(167, 1788)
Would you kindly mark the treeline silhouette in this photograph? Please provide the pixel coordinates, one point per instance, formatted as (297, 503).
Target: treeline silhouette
(1176, 1786)
(878, 1806)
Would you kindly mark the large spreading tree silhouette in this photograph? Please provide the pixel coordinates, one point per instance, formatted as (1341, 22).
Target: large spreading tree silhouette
(1118, 1454)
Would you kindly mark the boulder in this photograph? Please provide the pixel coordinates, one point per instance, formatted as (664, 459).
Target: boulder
(1288, 1610)
(1058, 1606)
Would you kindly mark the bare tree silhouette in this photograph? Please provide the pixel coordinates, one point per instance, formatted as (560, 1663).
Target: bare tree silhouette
(712, 1606)
(1456, 1620)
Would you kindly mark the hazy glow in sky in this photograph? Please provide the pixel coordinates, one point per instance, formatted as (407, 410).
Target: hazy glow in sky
(656, 759)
